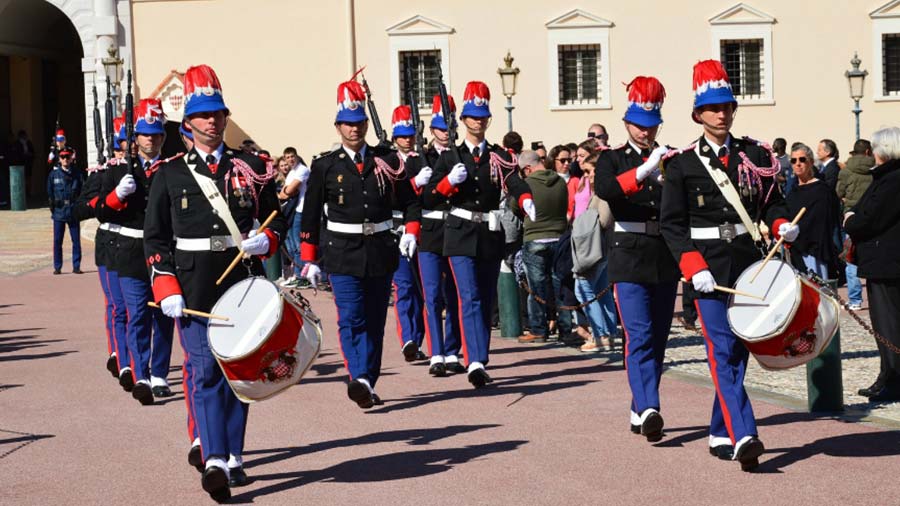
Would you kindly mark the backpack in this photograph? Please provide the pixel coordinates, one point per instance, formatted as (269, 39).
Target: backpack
(587, 241)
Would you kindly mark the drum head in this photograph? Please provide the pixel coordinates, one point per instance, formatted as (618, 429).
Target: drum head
(254, 307)
(753, 319)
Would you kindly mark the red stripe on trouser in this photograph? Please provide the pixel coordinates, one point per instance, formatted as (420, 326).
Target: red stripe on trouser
(114, 336)
(624, 327)
(459, 311)
(340, 342)
(397, 313)
(186, 386)
(109, 337)
(711, 357)
(425, 307)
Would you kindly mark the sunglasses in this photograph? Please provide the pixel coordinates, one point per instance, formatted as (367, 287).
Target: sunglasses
(802, 159)
(564, 160)
(592, 135)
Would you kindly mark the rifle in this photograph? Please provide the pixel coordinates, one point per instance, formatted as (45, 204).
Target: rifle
(98, 128)
(383, 139)
(449, 116)
(419, 125)
(110, 128)
(129, 126)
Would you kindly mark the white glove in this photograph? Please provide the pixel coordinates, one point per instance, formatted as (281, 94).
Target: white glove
(457, 174)
(255, 244)
(312, 273)
(408, 245)
(652, 163)
(704, 281)
(528, 207)
(172, 306)
(422, 177)
(126, 186)
(788, 231)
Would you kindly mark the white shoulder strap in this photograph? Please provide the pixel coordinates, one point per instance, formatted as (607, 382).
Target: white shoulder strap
(731, 195)
(220, 207)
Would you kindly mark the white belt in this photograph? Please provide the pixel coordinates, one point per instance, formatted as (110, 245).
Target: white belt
(727, 231)
(397, 215)
(435, 215)
(104, 226)
(214, 243)
(359, 228)
(470, 215)
(127, 232)
(638, 227)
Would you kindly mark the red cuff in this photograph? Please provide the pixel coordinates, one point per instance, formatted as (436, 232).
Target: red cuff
(112, 200)
(775, 226)
(416, 189)
(165, 285)
(273, 242)
(308, 252)
(628, 182)
(413, 227)
(445, 188)
(93, 202)
(522, 199)
(691, 263)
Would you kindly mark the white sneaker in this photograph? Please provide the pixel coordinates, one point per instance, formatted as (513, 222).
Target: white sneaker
(854, 306)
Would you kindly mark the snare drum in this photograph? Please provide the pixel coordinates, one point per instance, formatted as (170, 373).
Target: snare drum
(269, 342)
(792, 325)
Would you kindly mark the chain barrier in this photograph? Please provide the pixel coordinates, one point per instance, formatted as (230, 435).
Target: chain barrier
(524, 284)
(826, 288)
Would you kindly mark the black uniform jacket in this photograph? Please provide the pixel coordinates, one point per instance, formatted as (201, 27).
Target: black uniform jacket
(431, 235)
(353, 197)
(875, 226)
(634, 257)
(177, 208)
(125, 255)
(86, 208)
(692, 199)
(478, 193)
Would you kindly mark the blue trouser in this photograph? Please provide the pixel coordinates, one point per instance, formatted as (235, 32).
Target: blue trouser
(221, 419)
(361, 314)
(120, 319)
(59, 229)
(440, 295)
(408, 304)
(187, 383)
(108, 311)
(141, 319)
(602, 312)
(476, 285)
(854, 286)
(732, 414)
(293, 246)
(646, 311)
(538, 260)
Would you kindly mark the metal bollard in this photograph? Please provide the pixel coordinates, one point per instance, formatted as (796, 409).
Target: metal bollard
(17, 188)
(508, 301)
(273, 266)
(824, 382)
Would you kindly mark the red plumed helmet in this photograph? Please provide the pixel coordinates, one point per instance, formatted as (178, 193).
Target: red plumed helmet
(711, 84)
(202, 91)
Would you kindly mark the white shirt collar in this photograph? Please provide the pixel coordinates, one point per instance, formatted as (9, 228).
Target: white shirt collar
(471, 146)
(827, 161)
(352, 154)
(715, 147)
(217, 153)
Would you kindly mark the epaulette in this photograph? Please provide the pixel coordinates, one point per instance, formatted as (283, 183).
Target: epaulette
(383, 150)
(620, 146)
(96, 168)
(762, 144)
(675, 152)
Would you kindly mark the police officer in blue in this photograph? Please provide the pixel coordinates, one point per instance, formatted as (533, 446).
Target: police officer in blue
(441, 302)
(63, 188)
(640, 265)
(358, 251)
(124, 192)
(473, 240)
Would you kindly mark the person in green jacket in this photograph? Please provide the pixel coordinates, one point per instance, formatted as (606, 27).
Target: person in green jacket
(853, 181)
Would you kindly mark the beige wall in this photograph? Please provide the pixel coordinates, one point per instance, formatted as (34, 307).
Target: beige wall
(280, 62)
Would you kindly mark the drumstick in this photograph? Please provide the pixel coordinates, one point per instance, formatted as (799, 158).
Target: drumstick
(241, 252)
(777, 245)
(732, 291)
(195, 313)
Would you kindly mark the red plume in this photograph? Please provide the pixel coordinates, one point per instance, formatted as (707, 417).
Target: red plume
(709, 70)
(645, 90)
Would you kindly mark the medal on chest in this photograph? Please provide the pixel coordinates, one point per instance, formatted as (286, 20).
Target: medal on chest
(241, 190)
(184, 200)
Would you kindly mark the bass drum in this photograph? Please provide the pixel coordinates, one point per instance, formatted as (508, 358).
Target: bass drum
(270, 341)
(793, 323)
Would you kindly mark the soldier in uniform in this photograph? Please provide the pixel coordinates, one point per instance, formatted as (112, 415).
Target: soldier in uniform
(437, 281)
(188, 244)
(63, 188)
(86, 208)
(640, 265)
(359, 252)
(713, 235)
(59, 145)
(473, 239)
(408, 302)
(122, 205)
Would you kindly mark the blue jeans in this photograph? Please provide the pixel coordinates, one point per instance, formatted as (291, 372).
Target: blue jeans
(815, 266)
(293, 245)
(538, 259)
(602, 312)
(59, 230)
(854, 285)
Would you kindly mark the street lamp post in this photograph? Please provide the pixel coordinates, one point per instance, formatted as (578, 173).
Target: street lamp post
(508, 76)
(856, 79)
(112, 67)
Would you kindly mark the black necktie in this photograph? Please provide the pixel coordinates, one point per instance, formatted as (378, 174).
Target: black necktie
(211, 163)
(357, 159)
(723, 156)
(147, 168)
(476, 153)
